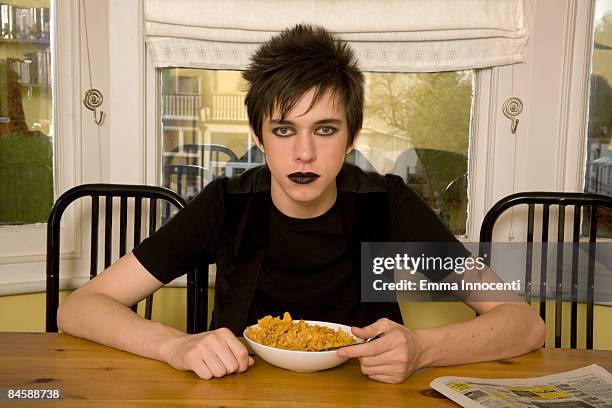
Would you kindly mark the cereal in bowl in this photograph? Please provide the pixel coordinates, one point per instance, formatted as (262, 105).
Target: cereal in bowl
(288, 334)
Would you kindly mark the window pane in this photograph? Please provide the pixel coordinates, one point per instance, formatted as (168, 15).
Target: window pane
(416, 126)
(599, 154)
(205, 131)
(26, 130)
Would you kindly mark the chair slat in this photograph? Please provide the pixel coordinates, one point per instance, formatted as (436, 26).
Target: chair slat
(201, 298)
(149, 307)
(544, 260)
(574, 283)
(545, 221)
(152, 228)
(95, 214)
(122, 226)
(529, 257)
(137, 220)
(591, 277)
(559, 277)
(108, 231)
(152, 216)
(137, 230)
(530, 216)
(191, 293)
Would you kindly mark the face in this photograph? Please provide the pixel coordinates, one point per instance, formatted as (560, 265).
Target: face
(305, 152)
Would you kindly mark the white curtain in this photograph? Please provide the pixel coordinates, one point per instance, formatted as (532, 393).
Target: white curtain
(387, 35)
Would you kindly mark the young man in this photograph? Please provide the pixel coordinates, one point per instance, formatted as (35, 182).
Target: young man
(286, 237)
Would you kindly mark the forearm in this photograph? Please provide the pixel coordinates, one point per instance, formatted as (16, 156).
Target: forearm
(102, 319)
(508, 330)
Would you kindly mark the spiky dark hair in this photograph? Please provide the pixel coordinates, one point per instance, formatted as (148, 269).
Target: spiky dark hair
(298, 59)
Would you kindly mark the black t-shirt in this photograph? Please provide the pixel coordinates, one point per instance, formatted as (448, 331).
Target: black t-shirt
(307, 271)
(307, 268)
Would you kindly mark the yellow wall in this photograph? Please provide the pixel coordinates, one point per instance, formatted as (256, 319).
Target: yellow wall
(417, 315)
(25, 313)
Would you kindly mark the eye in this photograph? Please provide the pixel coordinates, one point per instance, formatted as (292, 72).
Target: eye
(282, 131)
(325, 130)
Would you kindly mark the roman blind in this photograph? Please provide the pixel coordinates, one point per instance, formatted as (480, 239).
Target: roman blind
(387, 35)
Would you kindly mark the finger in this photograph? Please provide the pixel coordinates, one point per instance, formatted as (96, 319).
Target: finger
(240, 353)
(372, 348)
(383, 359)
(223, 349)
(251, 361)
(390, 379)
(378, 370)
(214, 364)
(228, 359)
(201, 370)
(375, 329)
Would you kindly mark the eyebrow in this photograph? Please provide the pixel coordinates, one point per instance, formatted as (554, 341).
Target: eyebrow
(318, 122)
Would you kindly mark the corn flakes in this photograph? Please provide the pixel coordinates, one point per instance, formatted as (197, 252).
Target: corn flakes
(296, 335)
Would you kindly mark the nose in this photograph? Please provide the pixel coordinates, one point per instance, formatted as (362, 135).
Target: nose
(304, 150)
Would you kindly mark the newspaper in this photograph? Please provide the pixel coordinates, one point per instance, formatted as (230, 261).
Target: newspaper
(589, 386)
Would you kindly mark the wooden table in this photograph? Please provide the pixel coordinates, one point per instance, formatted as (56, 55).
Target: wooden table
(94, 375)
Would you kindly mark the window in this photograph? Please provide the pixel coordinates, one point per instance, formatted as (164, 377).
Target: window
(26, 131)
(416, 126)
(205, 132)
(598, 174)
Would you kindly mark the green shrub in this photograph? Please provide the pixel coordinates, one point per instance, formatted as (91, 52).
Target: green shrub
(26, 177)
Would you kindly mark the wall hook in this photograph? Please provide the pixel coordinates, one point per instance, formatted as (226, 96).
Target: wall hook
(512, 108)
(92, 100)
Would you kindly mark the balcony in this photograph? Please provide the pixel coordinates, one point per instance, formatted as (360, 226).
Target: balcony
(226, 108)
(181, 106)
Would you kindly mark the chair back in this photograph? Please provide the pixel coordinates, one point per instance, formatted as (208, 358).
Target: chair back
(588, 208)
(141, 195)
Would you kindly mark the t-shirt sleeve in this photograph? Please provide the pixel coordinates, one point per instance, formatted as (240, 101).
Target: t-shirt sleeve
(191, 238)
(413, 220)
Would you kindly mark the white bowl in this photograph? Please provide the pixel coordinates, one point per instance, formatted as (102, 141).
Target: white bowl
(301, 361)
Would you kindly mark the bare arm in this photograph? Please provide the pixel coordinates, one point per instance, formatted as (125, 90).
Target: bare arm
(502, 330)
(506, 330)
(98, 311)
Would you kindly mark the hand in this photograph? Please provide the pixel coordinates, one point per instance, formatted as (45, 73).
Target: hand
(392, 357)
(210, 354)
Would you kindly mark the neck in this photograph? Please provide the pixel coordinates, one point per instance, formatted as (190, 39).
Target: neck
(306, 209)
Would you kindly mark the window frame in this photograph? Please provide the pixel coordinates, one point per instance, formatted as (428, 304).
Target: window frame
(80, 152)
(23, 247)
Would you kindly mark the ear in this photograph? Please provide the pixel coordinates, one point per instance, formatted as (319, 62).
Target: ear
(256, 140)
(350, 147)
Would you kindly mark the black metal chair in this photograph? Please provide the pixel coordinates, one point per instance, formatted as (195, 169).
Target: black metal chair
(590, 207)
(197, 295)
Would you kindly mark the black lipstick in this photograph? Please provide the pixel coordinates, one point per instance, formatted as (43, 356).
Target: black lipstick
(303, 178)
